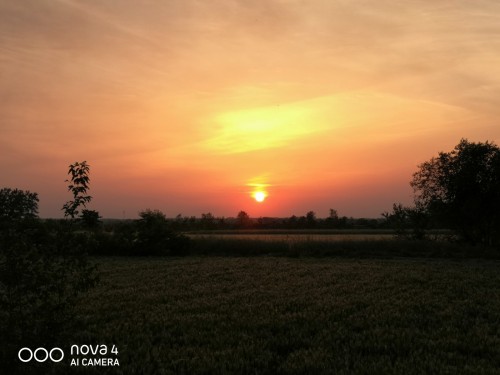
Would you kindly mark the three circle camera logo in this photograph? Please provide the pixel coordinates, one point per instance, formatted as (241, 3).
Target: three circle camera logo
(40, 355)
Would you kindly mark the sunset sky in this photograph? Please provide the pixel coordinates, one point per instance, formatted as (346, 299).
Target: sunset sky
(191, 106)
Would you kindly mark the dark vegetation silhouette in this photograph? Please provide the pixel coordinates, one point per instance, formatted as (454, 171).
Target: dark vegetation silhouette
(155, 237)
(458, 190)
(409, 222)
(78, 186)
(90, 219)
(243, 221)
(42, 273)
(17, 205)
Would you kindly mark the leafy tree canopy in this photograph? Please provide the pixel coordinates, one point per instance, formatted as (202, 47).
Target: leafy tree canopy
(78, 186)
(461, 190)
(18, 204)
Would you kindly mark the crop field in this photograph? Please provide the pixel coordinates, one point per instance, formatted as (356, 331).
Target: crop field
(276, 315)
(291, 237)
(301, 236)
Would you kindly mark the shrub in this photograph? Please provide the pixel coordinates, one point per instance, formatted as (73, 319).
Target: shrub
(154, 236)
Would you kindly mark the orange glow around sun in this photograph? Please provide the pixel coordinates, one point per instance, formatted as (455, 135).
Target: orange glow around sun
(258, 188)
(259, 196)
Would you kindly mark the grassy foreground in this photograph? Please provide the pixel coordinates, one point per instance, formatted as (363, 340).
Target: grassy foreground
(267, 315)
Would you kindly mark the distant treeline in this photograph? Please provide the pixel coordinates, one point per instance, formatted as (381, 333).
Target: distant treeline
(208, 221)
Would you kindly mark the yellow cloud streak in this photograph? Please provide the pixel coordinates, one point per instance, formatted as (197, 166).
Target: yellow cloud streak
(260, 128)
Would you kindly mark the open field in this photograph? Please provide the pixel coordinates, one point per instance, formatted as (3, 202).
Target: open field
(315, 236)
(269, 315)
(294, 237)
(336, 245)
(285, 232)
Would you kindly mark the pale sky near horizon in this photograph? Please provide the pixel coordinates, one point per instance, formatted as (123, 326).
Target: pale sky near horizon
(189, 106)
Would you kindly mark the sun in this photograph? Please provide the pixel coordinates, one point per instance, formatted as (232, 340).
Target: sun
(259, 196)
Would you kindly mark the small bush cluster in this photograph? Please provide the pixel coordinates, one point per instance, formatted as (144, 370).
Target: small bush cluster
(151, 235)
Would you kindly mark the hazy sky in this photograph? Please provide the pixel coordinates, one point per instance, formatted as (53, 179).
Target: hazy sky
(188, 106)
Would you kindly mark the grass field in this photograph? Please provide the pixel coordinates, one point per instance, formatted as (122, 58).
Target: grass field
(294, 237)
(267, 315)
(348, 245)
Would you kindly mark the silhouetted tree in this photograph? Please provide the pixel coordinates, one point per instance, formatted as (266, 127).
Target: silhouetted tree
(16, 205)
(301, 222)
(461, 189)
(90, 219)
(154, 237)
(408, 222)
(292, 222)
(243, 220)
(207, 221)
(311, 219)
(333, 214)
(177, 223)
(221, 222)
(78, 185)
(332, 221)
